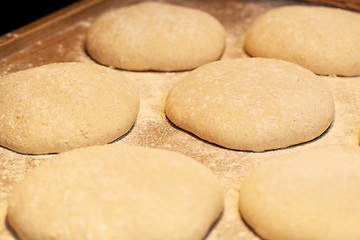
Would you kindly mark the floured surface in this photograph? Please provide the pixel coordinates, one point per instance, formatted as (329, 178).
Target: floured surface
(154, 130)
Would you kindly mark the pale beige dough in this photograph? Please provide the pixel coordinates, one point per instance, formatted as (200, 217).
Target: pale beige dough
(61, 106)
(155, 36)
(253, 104)
(312, 194)
(3, 210)
(116, 192)
(322, 39)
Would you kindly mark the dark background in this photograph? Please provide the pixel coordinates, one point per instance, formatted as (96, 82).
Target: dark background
(15, 14)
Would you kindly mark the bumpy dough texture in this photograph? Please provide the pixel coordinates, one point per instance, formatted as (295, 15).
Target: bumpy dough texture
(322, 39)
(251, 104)
(155, 36)
(116, 192)
(61, 106)
(309, 195)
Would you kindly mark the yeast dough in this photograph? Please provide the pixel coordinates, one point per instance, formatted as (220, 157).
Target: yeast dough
(116, 192)
(322, 39)
(61, 106)
(312, 194)
(155, 36)
(253, 104)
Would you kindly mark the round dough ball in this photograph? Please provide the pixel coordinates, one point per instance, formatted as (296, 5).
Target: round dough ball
(116, 192)
(61, 106)
(322, 39)
(308, 195)
(155, 36)
(253, 104)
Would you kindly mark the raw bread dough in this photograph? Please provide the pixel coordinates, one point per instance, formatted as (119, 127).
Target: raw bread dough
(3, 210)
(61, 106)
(322, 39)
(155, 36)
(253, 104)
(116, 192)
(312, 194)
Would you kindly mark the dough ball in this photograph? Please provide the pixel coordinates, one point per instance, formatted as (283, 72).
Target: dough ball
(116, 192)
(61, 106)
(155, 36)
(308, 195)
(253, 104)
(322, 39)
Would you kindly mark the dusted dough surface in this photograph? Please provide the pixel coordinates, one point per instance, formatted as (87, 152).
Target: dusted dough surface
(253, 104)
(312, 194)
(152, 129)
(155, 36)
(322, 39)
(116, 192)
(61, 106)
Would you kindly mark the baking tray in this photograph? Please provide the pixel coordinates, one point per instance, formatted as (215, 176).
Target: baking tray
(59, 37)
